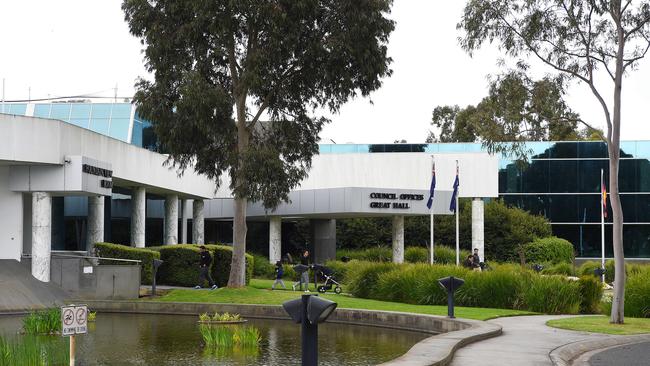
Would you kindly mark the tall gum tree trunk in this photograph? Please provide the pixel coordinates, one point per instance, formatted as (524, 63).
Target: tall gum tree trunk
(238, 264)
(618, 301)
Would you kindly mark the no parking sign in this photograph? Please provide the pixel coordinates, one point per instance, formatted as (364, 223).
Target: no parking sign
(74, 320)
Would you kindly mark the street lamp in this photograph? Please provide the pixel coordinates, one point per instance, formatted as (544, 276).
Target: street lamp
(451, 284)
(309, 310)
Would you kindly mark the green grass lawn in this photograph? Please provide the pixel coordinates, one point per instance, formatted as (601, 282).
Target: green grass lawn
(601, 324)
(259, 293)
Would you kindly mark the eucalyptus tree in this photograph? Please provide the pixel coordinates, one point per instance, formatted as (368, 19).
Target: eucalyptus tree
(579, 40)
(237, 86)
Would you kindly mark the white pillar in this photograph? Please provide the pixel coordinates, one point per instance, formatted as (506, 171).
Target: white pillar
(198, 234)
(171, 220)
(41, 235)
(398, 239)
(185, 215)
(478, 232)
(138, 216)
(95, 222)
(275, 239)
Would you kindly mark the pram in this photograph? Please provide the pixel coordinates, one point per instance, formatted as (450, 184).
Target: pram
(330, 281)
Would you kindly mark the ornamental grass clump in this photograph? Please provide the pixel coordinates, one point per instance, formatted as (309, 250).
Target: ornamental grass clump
(550, 294)
(564, 269)
(364, 276)
(34, 351)
(229, 337)
(42, 322)
(591, 291)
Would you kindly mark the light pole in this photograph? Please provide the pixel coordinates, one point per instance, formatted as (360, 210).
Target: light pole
(451, 284)
(309, 310)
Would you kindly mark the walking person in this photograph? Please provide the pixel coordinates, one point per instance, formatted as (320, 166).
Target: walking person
(304, 276)
(204, 269)
(279, 272)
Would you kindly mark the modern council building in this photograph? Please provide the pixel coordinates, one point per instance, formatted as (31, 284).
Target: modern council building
(73, 173)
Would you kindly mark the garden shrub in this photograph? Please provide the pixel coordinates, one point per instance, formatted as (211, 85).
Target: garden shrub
(181, 264)
(564, 269)
(416, 255)
(551, 295)
(499, 288)
(362, 278)
(340, 269)
(374, 254)
(146, 256)
(637, 295)
(591, 291)
(587, 268)
(262, 268)
(447, 255)
(549, 250)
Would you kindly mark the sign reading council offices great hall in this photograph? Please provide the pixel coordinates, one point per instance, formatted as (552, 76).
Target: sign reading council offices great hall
(403, 198)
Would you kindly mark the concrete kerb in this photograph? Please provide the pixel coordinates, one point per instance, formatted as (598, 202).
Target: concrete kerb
(450, 334)
(567, 354)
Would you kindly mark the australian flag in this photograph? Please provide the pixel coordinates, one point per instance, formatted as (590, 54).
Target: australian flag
(433, 186)
(452, 204)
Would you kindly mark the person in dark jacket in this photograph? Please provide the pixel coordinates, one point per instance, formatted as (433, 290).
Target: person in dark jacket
(469, 262)
(279, 272)
(204, 268)
(476, 260)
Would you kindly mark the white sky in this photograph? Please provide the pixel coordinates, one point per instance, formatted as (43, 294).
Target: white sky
(71, 47)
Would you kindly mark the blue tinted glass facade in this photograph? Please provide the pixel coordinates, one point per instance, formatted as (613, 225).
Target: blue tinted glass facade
(561, 181)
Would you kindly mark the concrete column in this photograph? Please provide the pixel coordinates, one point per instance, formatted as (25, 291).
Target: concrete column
(198, 233)
(138, 216)
(185, 215)
(478, 231)
(41, 235)
(398, 239)
(275, 239)
(171, 220)
(323, 240)
(95, 222)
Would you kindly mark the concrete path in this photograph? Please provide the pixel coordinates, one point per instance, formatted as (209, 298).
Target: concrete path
(626, 355)
(526, 340)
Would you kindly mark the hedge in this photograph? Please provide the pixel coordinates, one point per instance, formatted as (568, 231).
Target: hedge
(146, 256)
(507, 286)
(549, 250)
(181, 263)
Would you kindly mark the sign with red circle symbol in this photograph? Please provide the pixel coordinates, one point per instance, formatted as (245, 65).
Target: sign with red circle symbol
(74, 320)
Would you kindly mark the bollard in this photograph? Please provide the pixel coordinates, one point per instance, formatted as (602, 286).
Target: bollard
(451, 284)
(156, 263)
(309, 311)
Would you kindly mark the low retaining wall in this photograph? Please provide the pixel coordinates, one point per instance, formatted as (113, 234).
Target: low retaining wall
(450, 334)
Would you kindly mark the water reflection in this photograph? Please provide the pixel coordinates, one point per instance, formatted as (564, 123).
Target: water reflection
(129, 339)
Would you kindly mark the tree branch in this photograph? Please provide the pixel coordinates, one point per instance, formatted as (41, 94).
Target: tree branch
(267, 98)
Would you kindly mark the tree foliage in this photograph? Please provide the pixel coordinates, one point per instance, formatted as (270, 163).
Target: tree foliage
(517, 109)
(236, 85)
(577, 39)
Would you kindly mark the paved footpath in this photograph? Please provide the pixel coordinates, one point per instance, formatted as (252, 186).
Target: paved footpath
(626, 355)
(526, 340)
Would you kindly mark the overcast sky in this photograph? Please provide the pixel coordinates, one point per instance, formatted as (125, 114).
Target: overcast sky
(71, 47)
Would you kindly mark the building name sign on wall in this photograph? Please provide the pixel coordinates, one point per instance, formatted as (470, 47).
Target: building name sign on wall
(100, 172)
(394, 197)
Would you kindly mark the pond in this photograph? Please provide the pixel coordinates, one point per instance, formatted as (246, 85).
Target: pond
(143, 339)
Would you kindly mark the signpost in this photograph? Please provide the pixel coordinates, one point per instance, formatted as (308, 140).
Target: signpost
(74, 320)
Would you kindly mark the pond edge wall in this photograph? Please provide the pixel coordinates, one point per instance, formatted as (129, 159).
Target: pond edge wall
(449, 334)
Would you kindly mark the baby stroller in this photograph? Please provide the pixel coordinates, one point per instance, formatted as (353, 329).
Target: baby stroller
(330, 281)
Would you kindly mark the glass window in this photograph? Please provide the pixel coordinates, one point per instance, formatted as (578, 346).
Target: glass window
(322, 148)
(42, 110)
(589, 208)
(642, 149)
(121, 110)
(563, 176)
(628, 149)
(643, 175)
(18, 109)
(119, 128)
(627, 175)
(81, 122)
(136, 135)
(99, 125)
(589, 175)
(564, 150)
(101, 110)
(539, 149)
(80, 111)
(535, 176)
(592, 149)
(60, 111)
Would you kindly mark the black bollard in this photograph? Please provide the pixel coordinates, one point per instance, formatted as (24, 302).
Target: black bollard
(451, 284)
(309, 310)
(156, 263)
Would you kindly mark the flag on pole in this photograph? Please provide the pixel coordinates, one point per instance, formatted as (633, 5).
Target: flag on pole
(603, 191)
(433, 186)
(452, 204)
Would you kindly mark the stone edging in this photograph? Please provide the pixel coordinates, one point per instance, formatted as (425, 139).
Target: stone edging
(438, 349)
(566, 355)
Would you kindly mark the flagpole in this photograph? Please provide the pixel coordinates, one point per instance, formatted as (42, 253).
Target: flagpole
(431, 235)
(602, 224)
(433, 172)
(457, 209)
